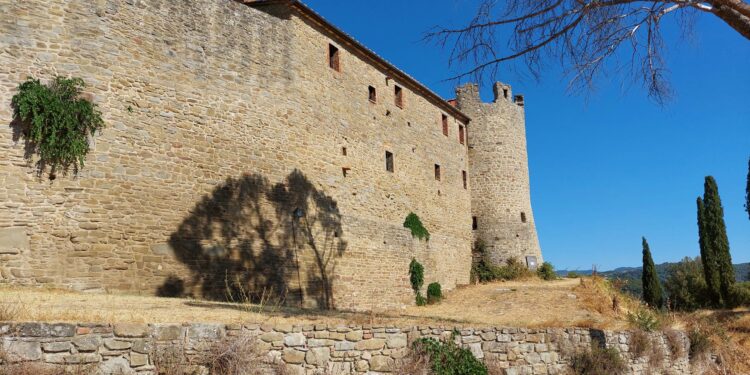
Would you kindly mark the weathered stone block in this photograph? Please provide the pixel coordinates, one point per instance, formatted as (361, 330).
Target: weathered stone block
(114, 344)
(167, 332)
(17, 351)
(46, 330)
(205, 331)
(293, 356)
(371, 344)
(87, 343)
(138, 359)
(318, 356)
(381, 363)
(396, 341)
(294, 339)
(131, 330)
(272, 336)
(115, 366)
(56, 347)
(13, 240)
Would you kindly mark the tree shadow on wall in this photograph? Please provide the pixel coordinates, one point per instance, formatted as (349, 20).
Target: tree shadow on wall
(250, 239)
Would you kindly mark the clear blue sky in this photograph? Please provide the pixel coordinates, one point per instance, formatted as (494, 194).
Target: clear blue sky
(612, 166)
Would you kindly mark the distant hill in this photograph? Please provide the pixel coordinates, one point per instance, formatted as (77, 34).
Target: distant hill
(632, 275)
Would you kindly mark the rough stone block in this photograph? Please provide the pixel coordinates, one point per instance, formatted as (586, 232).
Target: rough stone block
(294, 339)
(114, 344)
(318, 356)
(272, 336)
(138, 359)
(18, 351)
(13, 240)
(371, 344)
(56, 347)
(167, 332)
(293, 356)
(396, 341)
(205, 331)
(115, 366)
(46, 330)
(131, 330)
(381, 363)
(87, 343)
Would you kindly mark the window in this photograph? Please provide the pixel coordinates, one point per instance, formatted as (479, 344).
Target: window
(463, 176)
(523, 217)
(399, 99)
(474, 224)
(389, 161)
(505, 93)
(444, 120)
(372, 94)
(333, 58)
(461, 134)
(343, 151)
(437, 172)
(345, 171)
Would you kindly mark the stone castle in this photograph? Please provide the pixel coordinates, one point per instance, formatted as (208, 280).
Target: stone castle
(251, 149)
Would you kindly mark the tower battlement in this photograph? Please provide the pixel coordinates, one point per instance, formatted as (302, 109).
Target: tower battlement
(499, 174)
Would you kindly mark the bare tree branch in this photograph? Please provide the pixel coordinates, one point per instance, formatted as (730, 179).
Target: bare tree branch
(583, 35)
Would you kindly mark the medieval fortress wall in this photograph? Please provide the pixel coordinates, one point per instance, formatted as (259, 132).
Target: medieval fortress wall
(237, 161)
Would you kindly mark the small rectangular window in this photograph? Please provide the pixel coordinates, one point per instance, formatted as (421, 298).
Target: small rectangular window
(399, 98)
(343, 151)
(461, 134)
(444, 119)
(474, 224)
(463, 176)
(372, 94)
(333, 58)
(345, 171)
(389, 161)
(437, 172)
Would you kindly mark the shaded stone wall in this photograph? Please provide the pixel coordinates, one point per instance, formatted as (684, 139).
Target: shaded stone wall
(308, 349)
(499, 174)
(222, 120)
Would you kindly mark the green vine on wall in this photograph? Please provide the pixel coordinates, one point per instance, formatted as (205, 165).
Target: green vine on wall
(56, 122)
(416, 277)
(417, 229)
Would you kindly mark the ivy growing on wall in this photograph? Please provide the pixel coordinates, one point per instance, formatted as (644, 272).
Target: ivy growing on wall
(56, 121)
(417, 229)
(416, 276)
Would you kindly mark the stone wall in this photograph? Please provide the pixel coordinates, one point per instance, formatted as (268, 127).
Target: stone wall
(310, 349)
(499, 173)
(221, 121)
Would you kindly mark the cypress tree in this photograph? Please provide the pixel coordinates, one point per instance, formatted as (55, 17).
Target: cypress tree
(708, 258)
(716, 234)
(747, 191)
(652, 292)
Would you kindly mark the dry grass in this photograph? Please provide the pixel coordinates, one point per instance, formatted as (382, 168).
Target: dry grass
(514, 303)
(728, 333)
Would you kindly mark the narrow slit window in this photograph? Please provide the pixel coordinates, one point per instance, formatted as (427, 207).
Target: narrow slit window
(345, 171)
(474, 224)
(444, 121)
(437, 172)
(523, 217)
(333, 58)
(463, 177)
(343, 151)
(505, 93)
(461, 136)
(372, 94)
(389, 161)
(399, 96)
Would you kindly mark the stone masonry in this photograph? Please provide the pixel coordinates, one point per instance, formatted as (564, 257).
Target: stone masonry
(130, 349)
(499, 173)
(236, 162)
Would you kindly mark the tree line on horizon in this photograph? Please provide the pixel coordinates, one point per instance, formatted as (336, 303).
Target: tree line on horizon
(708, 281)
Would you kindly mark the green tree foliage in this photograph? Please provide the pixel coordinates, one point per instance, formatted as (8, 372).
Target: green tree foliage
(708, 258)
(686, 286)
(447, 358)
(717, 240)
(652, 292)
(417, 229)
(57, 121)
(546, 271)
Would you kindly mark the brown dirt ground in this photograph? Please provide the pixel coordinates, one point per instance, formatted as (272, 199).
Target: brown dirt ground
(529, 303)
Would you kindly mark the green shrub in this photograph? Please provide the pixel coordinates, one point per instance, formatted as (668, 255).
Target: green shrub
(739, 294)
(686, 286)
(513, 269)
(645, 319)
(434, 293)
(417, 229)
(447, 358)
(57, 121)
(598, 361)
(572, 275)
(416, 277)
(546, 271)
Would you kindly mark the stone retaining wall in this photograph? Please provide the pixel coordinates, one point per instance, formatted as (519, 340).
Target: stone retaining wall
(318, 349)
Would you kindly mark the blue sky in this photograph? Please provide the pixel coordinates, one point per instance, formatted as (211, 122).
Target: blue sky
(610, 166)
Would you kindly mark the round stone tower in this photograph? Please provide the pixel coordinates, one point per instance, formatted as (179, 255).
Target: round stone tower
(499, 175)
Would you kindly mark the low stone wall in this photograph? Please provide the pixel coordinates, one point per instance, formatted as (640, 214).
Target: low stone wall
(317, 349)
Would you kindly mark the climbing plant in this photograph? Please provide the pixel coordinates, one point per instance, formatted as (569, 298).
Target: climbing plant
(417, 229)
(56, 121)
(447, 358)
(416, 276)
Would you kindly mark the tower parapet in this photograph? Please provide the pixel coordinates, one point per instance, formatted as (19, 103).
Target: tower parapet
(499, 175)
